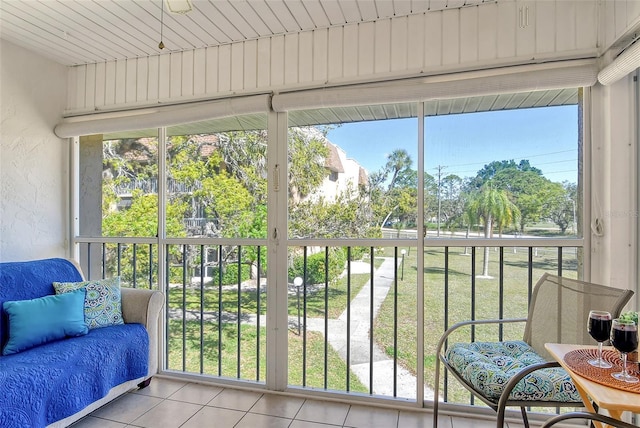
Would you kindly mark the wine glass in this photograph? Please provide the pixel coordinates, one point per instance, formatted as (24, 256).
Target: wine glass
(599, 327)
(624, 337)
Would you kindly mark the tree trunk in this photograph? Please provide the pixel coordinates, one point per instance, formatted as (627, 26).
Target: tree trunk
(467, 237)
(485, 264)
(487, 234)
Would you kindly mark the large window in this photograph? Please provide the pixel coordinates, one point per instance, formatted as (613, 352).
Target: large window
(352, 178)
(401, 219)
(529, 155)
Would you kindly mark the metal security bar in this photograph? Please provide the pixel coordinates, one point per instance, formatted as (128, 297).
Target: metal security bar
(336, 294)
(215, 310)
(351, 309)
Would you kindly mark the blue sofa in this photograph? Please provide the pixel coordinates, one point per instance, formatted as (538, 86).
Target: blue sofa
(56, 383)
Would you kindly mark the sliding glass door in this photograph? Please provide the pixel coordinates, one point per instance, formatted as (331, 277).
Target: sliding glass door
(327, 248)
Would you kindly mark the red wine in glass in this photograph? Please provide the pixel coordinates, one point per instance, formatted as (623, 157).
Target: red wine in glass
(624, 337)
(599, 327)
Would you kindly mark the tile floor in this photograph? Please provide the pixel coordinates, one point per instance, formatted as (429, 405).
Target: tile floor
(169, 403)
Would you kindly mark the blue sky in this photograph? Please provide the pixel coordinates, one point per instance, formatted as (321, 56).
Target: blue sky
(463, 143)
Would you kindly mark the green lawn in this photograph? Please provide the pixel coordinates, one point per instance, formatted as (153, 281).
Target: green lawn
(487, 296)
(316, 306)
(192, 361)
(334, 303)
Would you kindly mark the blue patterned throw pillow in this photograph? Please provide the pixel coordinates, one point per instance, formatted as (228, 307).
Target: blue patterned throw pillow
(102, 305)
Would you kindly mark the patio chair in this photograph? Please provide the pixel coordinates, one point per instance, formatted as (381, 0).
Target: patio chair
(589, 416)
(522, 373)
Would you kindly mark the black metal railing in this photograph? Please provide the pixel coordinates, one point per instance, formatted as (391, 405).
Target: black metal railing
(352, 310)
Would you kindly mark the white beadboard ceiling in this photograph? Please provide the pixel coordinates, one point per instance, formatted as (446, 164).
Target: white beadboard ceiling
(73, 32)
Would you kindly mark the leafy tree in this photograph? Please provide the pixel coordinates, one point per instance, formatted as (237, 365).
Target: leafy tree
(255, 227)
(490, 170)
(399, 198)
(225, 199)
(345, 217)
(140, 219)
(430, 196)
(561, 204)
(452, 201)
(398, 162)
(128, 159)
(528, 190)
(244, 154)
(307, 153)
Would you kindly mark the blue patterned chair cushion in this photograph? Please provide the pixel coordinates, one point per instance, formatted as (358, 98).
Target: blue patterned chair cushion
(488, 366)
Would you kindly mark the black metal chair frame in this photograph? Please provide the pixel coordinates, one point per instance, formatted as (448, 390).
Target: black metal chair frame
(588, 416)
(503, 402)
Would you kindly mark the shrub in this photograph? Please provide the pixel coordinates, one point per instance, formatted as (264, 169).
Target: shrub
(230, 274)
(316, 266)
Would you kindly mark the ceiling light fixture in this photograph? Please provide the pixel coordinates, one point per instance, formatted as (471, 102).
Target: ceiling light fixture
(179, 6)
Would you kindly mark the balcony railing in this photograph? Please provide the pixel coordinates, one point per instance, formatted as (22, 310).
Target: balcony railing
(360, 319)
(151, 186)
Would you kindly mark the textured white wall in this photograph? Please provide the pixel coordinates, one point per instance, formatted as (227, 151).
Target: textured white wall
(34, 163)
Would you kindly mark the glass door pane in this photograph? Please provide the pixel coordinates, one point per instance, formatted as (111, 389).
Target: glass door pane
(216, 223)
(502, 204)
(353, 178)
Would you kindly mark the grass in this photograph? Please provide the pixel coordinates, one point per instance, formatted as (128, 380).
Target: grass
(220, 357)
(316, 307)
(486, 306)
(460, 307)
(336, 294)
(224, 361)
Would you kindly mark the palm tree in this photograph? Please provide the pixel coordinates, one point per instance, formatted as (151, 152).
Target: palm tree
(494, 208)
(397, 161)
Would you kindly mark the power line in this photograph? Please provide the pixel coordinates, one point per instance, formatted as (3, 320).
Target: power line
(513, 157)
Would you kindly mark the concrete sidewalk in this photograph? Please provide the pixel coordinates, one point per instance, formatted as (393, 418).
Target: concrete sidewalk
(359, 346)
(359, 341)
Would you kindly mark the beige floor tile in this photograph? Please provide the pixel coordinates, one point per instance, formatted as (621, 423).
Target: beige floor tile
(444, 421)
(409, 419)
(235, 399)
(196, 393)
(470, 423)
(127, 408)
(307, 424)
(92, 422)
(254, 420)
(278, 405)
(325, 412)
(161, 387)
(371, 417)
(168, 414)
(214, 416)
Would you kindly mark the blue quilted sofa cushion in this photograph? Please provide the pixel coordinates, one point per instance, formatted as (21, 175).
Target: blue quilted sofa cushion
(50, 382)
(30, 280)
(488, 366)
